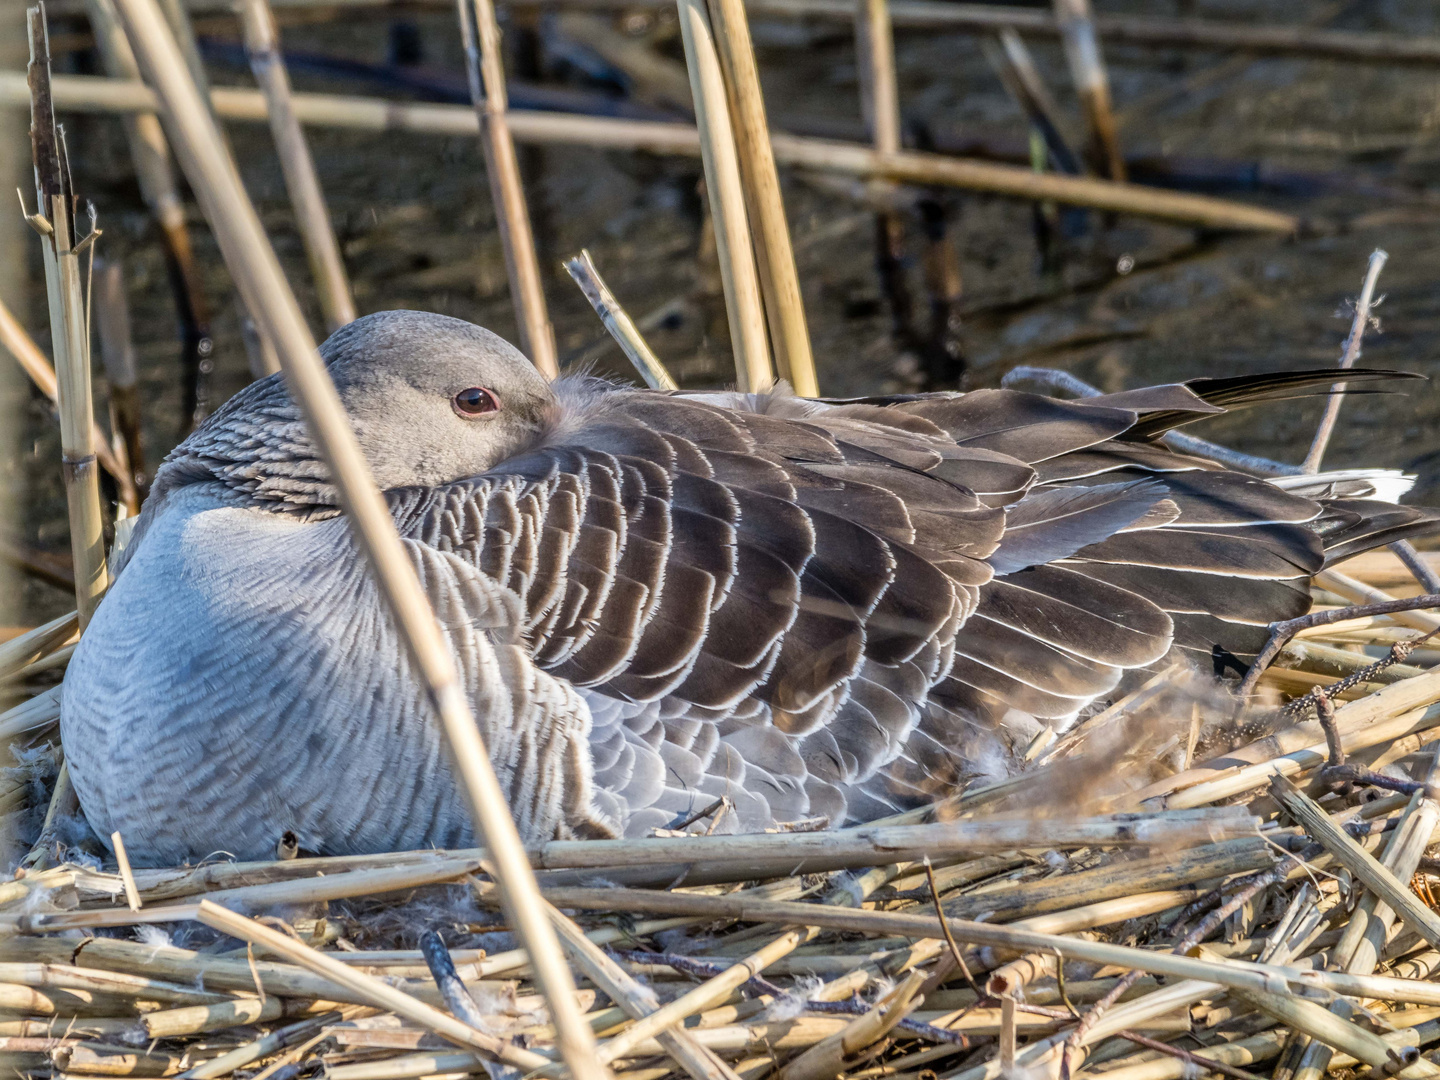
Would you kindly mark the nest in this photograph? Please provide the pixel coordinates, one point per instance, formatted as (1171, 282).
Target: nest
(1171, 888)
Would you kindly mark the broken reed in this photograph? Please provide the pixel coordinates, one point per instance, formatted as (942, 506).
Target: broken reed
(63, 247)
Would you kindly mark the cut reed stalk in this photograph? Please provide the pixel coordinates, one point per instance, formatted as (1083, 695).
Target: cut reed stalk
(638, 1001)
(57, 208)
(618, 324)
(302, 182)
(740, 280)
(480, 34)
(1359, 862)
(774, 255)
(253, 264)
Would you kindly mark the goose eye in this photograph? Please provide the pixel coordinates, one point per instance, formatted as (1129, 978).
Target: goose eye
(475, 401)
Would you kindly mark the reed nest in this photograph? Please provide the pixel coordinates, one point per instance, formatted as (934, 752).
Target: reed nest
(1169, 889)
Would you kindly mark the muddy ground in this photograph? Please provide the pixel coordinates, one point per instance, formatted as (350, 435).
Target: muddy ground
(1351, 147)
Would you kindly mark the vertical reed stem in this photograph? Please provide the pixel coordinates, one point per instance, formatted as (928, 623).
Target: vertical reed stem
(262, 46)
(151, 156)
(879, 89)
(117, 354)
(880, 107)
(28, 355)
(784, 305)
(257, 273)
(1092, 84)
(200, 362)
(726, 190)
(480, 34)
(68, 328)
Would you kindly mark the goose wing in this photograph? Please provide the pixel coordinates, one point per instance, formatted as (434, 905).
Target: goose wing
(829, 608)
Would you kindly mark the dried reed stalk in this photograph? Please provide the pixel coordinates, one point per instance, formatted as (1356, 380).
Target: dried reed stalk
(117, 354)
(153, 169)
(253, 263)
(774, 256)
(1359, 862)
(726, 189)
(618, 324)
(381, 994)
(1076, 24)
(56, 210)
(30, 646)
(312, 216)
(480, 34)
(638, 1001)
(91, 94)
(22, 347)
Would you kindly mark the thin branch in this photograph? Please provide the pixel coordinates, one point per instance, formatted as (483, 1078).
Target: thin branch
(1352, 353)
(1282, 632)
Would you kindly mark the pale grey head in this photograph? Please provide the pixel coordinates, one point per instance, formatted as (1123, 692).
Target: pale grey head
(432, 399)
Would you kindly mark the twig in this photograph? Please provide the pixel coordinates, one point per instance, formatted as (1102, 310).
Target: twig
(1425, 574)
(1204, 1065)
(480, 35)
(312, 216)
(1359, 774)
(1282, 632)
(619, 324)
(1347, 360)
(257, 272)
(739, 276)
(956, 956)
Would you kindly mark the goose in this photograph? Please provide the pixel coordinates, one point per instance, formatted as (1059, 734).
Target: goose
(814, 608)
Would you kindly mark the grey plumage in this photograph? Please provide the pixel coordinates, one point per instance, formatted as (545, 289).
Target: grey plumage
(810, 607)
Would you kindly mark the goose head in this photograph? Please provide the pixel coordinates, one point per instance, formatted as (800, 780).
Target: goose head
(431, 399)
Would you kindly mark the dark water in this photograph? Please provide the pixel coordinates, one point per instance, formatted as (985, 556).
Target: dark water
(1352, 148)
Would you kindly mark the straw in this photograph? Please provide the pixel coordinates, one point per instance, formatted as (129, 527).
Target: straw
(738, 274)
(480, 35)
(69, 327)
(775, 258)
(257, 272)
(262, 46)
